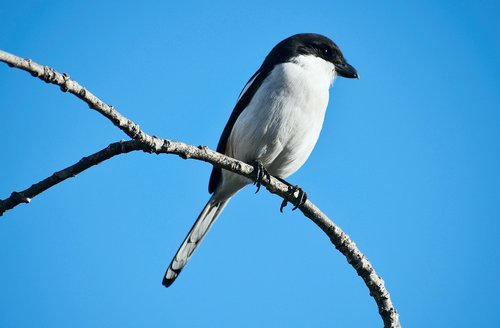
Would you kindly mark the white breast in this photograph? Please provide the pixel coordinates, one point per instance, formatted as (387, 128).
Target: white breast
(283, 121)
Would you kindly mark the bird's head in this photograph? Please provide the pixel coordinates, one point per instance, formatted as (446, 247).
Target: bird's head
(315, 45)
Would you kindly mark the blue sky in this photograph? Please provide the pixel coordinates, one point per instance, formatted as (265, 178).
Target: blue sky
(408, 164)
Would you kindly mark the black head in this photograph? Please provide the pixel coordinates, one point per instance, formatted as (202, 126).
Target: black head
(310, 44)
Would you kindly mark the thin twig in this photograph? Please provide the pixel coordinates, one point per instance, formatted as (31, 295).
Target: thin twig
(25, 196)
(147, 143)
(66, 84)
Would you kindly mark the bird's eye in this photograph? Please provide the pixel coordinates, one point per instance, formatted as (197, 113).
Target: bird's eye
(325, 50)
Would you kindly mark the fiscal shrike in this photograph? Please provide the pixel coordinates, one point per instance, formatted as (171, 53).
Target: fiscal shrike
(276, 122)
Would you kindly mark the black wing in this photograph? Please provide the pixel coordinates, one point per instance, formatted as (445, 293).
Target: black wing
(245, 97)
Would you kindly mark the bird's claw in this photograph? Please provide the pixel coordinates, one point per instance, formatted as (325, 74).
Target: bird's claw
(302, 197)
(260, 173)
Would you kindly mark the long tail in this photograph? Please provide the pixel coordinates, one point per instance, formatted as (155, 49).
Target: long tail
(207, 217)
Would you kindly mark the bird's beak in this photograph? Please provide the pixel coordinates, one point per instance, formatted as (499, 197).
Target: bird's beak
(346, 70)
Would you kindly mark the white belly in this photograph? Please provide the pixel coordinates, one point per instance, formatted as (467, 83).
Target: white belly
(283, 121)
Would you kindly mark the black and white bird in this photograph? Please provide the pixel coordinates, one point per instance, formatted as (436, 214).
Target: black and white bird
(276, 122)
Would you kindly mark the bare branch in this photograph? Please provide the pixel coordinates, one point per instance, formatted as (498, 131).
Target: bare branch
(143, 141)
(66, 84)
(26, 195)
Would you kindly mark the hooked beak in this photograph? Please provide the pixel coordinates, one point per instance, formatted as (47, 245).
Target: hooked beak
(346, 70)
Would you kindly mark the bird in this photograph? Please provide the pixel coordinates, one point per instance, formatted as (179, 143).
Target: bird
(274, 125)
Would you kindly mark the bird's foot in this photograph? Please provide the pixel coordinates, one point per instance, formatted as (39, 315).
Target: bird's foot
(302, 197)
(260, 173)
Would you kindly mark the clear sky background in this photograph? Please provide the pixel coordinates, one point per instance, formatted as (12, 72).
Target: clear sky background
(408, 164)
